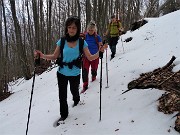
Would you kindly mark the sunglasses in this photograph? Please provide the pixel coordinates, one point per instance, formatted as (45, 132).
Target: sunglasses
(74, 18)
(92, 23)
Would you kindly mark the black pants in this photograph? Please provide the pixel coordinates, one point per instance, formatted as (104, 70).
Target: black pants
(74, 82)
(112, 44)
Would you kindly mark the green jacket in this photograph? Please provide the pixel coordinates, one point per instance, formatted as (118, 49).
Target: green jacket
(114, 28)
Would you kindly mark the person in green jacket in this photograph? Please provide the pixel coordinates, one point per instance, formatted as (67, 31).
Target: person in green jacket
(114, 28)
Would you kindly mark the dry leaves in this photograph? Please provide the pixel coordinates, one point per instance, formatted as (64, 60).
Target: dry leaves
(163, 79)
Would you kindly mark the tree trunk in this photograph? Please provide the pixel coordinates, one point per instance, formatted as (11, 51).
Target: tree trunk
(1, 50)
(36, 23)
(49, 39)
(5, 57)
(21, 49)
(29, 31)
(79, 8)
(95, 10)
(161, 8)
(88, 12)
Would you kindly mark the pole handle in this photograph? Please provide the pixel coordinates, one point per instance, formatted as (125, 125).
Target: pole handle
(37, 60)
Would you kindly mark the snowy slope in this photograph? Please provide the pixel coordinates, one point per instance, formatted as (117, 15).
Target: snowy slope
(134, 113)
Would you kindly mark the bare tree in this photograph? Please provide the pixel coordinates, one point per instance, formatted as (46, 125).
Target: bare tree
(29, 29)
(101, 23)
(152, 6)
(41, 27)
(79, 8)
(5, 77)
(171, 7)
(1, 50)
(36, 22)
(1, 39)
(21, 48)
(49, 39)
(168, 7)
(88, 12)
(68, 8)
(41, 23)
(95, 10)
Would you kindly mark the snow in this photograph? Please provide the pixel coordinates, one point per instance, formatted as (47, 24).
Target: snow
(133, 113)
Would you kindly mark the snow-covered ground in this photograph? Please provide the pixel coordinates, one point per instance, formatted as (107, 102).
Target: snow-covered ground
(133, 113)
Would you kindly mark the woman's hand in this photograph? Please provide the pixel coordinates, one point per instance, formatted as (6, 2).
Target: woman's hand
(105, 46)
(38, 53)
(101, 50)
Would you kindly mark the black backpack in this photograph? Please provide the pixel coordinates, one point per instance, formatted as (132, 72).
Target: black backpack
(77, 62)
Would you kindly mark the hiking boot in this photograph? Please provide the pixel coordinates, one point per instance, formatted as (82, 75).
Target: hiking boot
(84, 89)
(112, 56)
(93, 78)
(75, 103)
(62, 119)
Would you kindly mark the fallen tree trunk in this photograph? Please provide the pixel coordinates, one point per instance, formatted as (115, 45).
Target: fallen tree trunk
(163, 79)
(134, 84)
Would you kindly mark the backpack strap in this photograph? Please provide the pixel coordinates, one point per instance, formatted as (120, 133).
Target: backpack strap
(81, 44)
(62, 46)
(96, 38)
(60, 59)
(117, 23)
(76, 62)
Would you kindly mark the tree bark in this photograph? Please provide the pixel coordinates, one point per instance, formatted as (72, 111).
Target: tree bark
(49, 39)
(1, 50)
(36, 22)
(5, 58)
(79, 8)
(21, 49)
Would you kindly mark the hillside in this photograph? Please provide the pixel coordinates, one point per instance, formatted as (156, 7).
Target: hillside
(133, 113)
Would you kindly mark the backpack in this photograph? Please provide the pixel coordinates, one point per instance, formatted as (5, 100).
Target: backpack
(77, 62)
(118, 24)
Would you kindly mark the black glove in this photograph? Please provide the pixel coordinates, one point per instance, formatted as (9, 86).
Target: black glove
(104, 41)
(100, 54)
(37, 60)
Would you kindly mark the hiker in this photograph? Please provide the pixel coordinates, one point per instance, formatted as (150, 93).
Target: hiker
(68, 71)
(114, 29)
(94, 43)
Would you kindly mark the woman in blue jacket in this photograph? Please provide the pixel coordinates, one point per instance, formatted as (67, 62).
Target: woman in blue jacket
(94, 43)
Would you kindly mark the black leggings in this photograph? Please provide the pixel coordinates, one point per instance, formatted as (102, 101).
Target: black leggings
(112, 44)
(74, 82)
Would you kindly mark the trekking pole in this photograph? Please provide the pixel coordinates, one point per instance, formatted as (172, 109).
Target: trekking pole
(100, 89)
(122, 43)
(101, 56)
(106, 70)
(37, 62)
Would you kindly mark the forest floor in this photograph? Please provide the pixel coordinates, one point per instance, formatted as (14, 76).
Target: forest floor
(163, 79)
